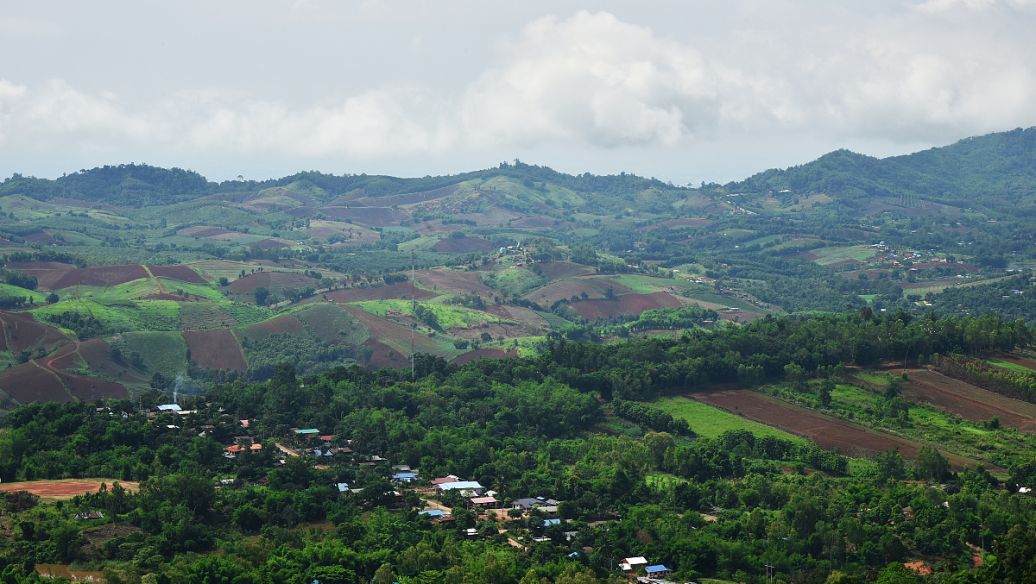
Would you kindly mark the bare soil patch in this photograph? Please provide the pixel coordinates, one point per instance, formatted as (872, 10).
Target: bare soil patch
(102, 276)
(20, 332)
(373, 216)
(279, 325)
(397, 290)
(560, 270)
(592, 286)
(65, 488)
(454, 282)
(182, 273)
(627, 304)
(30, 382)
(272, 281)
(46, 273)
(477, 354)
(90, 389)
(463, 245)
(215, 349)
(968, 401)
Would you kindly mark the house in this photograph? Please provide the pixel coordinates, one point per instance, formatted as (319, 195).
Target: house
(168, 408)
(305, 432)
(436, 515)
(657, 571)
(542, 503)
(405, 477)
(474, 486)
(484, 502)
(342, 488)
(445, 479)
(85, 515)
(920, 567)
(551, 522)
(635, 564)
(326, 453)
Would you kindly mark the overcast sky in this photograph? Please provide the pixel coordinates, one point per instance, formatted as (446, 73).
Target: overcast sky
(680, 90)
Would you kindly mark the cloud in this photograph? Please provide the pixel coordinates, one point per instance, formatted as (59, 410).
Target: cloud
(595, 82)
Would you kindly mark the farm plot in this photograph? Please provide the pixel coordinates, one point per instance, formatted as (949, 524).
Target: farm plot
(182, 273)
(20, 332)
(827, 432)
(88, 389)
(101, 276)
(65, 488)
(454, 282)
(968, 401)
(397, 290)
(215, 349)
(333, 325)
(593, 287)
(272, 281)
(463, 245)
(31, 382)
(561, 270)
(627, 304)
(397, 337)
(710, 421)
(47, 274)
(477, 354)
(1020, 361)
(828, 256)
(205, 315)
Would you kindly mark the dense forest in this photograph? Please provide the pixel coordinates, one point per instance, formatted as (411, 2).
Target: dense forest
(724, 507)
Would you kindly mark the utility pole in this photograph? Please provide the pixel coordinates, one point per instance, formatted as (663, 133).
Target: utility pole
(413, 326)
(770, 570)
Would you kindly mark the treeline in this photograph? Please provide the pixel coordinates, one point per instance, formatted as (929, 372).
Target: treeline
(654, 418)
(643, 369)
(1010, 382)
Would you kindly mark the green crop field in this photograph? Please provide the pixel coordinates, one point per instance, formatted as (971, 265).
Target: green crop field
(1009, 365)
(832, 255)
(9, 291)
(332, 324)
(710, 422)
(645, 284)
(147, 315)
(164, 352)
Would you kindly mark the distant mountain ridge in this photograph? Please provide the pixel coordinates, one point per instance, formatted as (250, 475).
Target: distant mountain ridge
(996, 171)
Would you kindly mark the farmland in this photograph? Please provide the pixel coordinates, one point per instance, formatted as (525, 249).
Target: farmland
(709, 421)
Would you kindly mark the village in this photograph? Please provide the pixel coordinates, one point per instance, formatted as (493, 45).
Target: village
(475, 510)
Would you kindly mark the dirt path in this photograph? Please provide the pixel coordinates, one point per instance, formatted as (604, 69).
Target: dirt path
(56, 376)
(286, 450)
(161, 288)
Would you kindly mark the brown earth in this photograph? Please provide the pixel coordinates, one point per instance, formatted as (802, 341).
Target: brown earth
(385, 357)
(31, 382)
(392, 335)
(454, 282)
(463, 245)
(827, 432)
(560, 270)
(593, 286)
(398, 290)
(282, 324)
(102, 276)
(182, 273)
(632, 304)
(215, 349)
(268, 244)
(202, 231)
(65, 488)
(272, 281)
(966, 400)
(536, 222)
(46, 273)
(97, 355)
(90, 389)
(20, 332)
(373, 216)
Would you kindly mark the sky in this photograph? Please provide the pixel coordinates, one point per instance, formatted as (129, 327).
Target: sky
(685, 91)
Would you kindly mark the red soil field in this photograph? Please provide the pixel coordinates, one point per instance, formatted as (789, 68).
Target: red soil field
(46, 273)
(215, 349)
(559, 270)
(182, 273)
(282, 324)
(67, 488)
(463, 245)
(19, 332)
(391, 334)
(626, 304)
(267, 244)
(384, 357)
(397, 290)
(594, 287)
(454, 282)
(827, 432)
(40, 236)
(102, 276)
(203, 231)
(483, 354)
(29, 382)
(404, 199)
(272, 281)
(521, 315)
(89, 389)
(968, 401)
(97, 354)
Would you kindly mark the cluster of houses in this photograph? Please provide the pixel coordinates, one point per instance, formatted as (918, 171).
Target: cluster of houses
(639, 569)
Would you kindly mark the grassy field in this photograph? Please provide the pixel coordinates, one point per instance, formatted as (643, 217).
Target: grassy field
(148, 315)
(1009, 365)
(514, 280)
(832, 255)
(9, 291)
(164, 352)
(645, 284)
(710, 422)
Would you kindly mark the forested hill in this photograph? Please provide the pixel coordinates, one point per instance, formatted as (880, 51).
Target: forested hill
(135, 185)
(995, 171)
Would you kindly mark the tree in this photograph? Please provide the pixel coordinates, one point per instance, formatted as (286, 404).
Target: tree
(931, 464)
(262, 296)
(891, 466)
